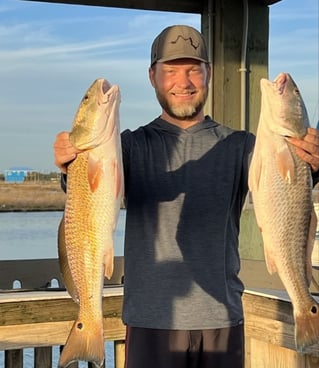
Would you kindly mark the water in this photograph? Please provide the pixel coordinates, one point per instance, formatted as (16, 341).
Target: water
(33, 235)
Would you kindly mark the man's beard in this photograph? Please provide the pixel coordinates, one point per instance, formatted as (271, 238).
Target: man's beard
(183, 111)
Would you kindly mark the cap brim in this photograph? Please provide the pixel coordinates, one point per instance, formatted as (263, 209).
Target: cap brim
(175, 57)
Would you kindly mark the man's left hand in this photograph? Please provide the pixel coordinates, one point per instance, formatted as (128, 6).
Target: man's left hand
(308, 148)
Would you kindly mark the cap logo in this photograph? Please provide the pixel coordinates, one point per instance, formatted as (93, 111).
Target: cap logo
(186, 39)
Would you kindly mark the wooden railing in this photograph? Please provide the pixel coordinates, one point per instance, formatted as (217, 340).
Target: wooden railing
(41, 319)
(38, 316)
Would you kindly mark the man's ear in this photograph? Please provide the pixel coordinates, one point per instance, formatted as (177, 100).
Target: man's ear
(209, 72)
(151, 75)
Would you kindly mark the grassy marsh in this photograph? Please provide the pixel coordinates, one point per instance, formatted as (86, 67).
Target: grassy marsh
(30, 196)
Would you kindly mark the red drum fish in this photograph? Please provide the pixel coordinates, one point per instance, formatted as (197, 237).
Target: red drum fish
(281, 186)
(94, 192)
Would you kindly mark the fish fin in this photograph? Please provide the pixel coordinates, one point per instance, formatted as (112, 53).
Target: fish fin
(109, 262)
(270, 260)
(64, 264)
(116, 174)
(118, 180)
(285, 163)
(95, 172)
(85, 342)
(255, 172)
(307, 327)
(310, 244)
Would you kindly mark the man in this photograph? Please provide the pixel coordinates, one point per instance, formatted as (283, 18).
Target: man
(186, 182)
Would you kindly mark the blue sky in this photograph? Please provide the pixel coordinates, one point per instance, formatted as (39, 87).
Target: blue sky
(50, 54)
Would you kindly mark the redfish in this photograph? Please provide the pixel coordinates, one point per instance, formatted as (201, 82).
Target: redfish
(94, 193)
(281, 186)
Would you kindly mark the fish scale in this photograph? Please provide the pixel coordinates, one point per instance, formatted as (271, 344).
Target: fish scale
(281, 187)
(288, 217)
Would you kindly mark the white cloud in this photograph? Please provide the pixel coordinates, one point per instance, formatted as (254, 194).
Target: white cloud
(51, 53)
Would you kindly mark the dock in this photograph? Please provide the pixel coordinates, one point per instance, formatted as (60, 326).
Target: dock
(40, 319)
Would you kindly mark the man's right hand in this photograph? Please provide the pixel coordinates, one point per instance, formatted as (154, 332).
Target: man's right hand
(64, 151)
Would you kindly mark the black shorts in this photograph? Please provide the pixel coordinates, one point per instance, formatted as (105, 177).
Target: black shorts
(152, 348)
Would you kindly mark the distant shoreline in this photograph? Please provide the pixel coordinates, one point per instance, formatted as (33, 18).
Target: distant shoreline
(31, 197)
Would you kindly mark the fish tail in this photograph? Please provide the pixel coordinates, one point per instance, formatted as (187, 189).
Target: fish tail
(307, 327)
(84, 343)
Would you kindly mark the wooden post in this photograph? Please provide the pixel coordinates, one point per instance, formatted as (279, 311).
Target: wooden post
(43, 357)
(223, 26)
(13, 358)
(119, 354)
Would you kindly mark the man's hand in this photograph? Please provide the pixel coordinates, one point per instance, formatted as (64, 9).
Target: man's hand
(308, 148)
(64, 152)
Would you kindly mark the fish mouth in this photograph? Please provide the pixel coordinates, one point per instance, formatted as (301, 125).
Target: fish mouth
(278, 85)
(105, 86)
(280, 82)
(108, 92)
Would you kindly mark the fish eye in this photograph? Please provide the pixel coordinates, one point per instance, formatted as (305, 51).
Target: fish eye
(296, 90)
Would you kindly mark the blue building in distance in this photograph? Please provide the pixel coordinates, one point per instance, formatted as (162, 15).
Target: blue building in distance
(16, 174)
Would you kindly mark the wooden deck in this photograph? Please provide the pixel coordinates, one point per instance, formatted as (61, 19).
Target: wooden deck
(41, 319)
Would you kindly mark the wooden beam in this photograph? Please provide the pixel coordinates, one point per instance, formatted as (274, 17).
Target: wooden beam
(188, 6)
(269, 318)
(33, 319)
(182, 6)
(223, 27)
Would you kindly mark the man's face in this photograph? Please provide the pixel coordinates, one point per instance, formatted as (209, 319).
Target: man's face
(181, 87)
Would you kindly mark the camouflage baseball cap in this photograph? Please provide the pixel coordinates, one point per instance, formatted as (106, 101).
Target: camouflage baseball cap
(178, 42)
